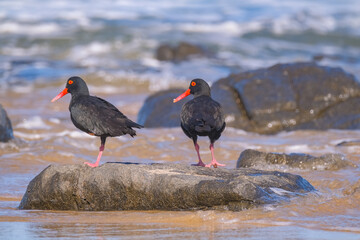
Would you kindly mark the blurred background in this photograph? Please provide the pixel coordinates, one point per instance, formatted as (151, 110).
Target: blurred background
(117, 40)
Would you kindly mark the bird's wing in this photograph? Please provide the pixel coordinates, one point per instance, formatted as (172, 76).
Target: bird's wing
(97, 116)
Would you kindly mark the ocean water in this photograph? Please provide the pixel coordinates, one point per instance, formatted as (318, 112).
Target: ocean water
(45, 41)
(112, 45)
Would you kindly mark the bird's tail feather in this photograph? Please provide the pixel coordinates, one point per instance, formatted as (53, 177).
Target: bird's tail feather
(204, 128)
(134, 124)
(201, 126)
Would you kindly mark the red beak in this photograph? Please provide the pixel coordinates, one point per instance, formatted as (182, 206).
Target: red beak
(60, 95)
(185, 94)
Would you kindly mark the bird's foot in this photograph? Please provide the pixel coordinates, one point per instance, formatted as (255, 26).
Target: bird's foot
(92, 164)
(215, 164)
(201, 164)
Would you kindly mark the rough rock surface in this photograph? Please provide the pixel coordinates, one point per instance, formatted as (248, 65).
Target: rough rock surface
(178, 53)
(290, 96)
(286, 97)
(120, 186)
(252, 158)
(6, 131)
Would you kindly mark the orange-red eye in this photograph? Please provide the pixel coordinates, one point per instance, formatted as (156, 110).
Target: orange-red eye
(193, 84)
(70, 82)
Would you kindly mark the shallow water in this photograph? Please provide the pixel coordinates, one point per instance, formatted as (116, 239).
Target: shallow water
(45, 135)
(112, 44)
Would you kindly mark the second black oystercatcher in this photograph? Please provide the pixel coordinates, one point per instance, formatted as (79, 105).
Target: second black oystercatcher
(202, 116)
(94, 115)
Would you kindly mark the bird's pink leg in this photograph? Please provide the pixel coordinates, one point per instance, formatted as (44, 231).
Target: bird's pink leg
(200, 163)
(213, 161)
(101, 149)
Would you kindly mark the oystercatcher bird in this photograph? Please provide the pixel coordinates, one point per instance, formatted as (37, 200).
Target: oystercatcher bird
(202, 116)
(94, 115)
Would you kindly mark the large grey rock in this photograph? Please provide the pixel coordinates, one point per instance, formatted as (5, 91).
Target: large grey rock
(287, 97)
(290, 96)
(117, 186)
(256, 159)
(6, 131)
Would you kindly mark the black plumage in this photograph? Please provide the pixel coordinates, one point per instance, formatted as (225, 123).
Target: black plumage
(202, 116)
(95, 115)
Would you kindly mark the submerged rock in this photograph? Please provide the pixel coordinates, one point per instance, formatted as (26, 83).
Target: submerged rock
(252, 158)
(353, 143)
(353, 189)
(6, 131)
(288, 97)
(117, 186)
(177, 53)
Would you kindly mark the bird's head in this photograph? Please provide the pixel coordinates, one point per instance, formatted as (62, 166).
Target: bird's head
(198, 87)
(75, 86)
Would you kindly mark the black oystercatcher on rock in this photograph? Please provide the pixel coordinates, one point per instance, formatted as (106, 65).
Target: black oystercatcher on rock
(94, 115)
(202, 116)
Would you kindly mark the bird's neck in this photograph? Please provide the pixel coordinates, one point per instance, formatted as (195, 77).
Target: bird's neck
(75, 96)
(79, 94)
(80, 91)
(203, 92)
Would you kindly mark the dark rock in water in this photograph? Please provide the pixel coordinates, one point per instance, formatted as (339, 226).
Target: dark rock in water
(116, 186)
(180, 52)
(185, 50)
(160, 111)
(342, 115)
(349, 143)
(252, 158)
(288, 97)
(165, 53)
(6, 131)
(353, 189)
(335, 57)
